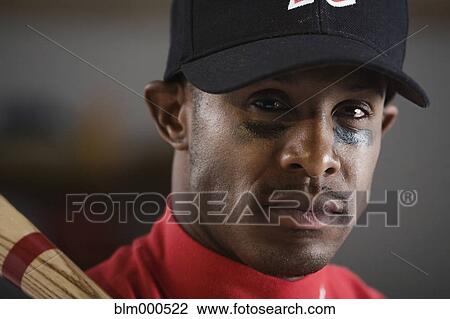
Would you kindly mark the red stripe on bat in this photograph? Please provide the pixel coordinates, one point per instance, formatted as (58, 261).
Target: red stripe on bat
(22, 255)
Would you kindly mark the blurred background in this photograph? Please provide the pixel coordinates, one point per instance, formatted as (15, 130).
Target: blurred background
(66, 128)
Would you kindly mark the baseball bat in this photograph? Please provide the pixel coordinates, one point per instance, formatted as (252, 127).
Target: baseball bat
(31, 262)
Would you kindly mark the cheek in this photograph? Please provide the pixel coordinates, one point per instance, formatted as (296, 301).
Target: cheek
(358, 162)
(223, 154)
(255, 155)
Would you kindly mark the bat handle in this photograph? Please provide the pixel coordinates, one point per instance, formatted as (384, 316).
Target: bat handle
(30, 261)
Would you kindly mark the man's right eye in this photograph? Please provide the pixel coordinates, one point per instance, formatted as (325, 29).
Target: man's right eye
(270, 105)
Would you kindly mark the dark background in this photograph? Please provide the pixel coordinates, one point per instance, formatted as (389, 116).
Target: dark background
(66, 128)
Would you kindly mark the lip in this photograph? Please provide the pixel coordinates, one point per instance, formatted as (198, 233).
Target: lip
(297, 219)
(315, 214)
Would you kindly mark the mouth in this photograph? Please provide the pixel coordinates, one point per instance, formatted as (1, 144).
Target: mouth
(331, 214)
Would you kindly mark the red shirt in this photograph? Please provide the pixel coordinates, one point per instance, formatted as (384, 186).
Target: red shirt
(169, 263)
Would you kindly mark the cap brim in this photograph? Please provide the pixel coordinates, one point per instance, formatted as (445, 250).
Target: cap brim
(237, 67)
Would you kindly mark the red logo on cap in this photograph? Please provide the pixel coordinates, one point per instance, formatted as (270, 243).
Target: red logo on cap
(335, 3)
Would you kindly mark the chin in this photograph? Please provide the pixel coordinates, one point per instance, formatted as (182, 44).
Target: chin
(285, 264)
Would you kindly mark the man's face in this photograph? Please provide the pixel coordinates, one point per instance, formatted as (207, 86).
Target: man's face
(286, 133)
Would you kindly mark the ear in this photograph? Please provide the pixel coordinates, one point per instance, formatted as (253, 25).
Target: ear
(390, 114)
(167, 103)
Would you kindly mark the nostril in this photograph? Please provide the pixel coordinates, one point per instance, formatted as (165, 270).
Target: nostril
(295, 166)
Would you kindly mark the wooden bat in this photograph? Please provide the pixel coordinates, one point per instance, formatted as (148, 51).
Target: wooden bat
(30, 261)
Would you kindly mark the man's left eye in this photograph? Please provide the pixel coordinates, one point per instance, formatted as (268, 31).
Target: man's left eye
(355, 111)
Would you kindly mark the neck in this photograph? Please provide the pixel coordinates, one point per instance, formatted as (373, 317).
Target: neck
(180, 172)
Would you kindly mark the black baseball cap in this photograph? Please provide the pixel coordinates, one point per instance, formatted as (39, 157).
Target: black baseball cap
(224, 45)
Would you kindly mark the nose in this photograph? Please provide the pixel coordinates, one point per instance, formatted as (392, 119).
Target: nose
(309, 148)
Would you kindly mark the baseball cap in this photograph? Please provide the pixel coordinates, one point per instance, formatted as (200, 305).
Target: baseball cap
(223, 45)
